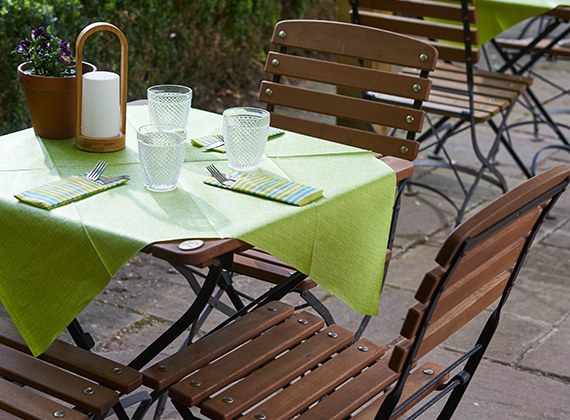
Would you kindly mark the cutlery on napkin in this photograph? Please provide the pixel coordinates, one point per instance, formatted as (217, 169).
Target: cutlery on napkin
(214, 142)
(283, 190)
(63, 191)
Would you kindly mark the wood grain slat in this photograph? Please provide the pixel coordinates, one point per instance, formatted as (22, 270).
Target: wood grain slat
(28, 405)
(354, 77)
(354, 41)
(504, 76)
(274, 272)
(518, 44)
(319, 383)
(265, 381)
(46, 378)
(385, 145)
(415, 382)
(417, 27)
(246, 358)
(214, 345)
(420, 8)
(77, 360)
(355, 109)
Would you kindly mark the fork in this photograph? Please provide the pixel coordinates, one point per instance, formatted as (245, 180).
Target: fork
(97, 170)
(220, 177)
(218, 143)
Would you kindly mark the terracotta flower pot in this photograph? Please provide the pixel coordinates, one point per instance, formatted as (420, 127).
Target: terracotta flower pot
(51, 102)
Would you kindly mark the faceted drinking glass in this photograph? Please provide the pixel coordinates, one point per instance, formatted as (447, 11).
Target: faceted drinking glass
(161, 153)
(169, 104)
(245, 136)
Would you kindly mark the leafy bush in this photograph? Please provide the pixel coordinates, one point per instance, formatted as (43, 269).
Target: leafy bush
(209, 45)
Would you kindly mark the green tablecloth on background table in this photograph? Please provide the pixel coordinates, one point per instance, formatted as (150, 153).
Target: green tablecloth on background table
(53, 263)
(495, 16)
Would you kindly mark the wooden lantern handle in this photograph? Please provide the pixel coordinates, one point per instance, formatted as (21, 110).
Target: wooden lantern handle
(88, 143)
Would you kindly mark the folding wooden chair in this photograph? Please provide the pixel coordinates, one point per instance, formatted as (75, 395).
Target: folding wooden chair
(284, 365)
(63, 382)
(462, 95)
(320, 109)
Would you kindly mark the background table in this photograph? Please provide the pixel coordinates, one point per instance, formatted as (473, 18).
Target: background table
(495, 16)
(54, 262)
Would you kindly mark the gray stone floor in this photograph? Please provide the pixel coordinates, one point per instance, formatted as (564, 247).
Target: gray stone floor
(526, 371)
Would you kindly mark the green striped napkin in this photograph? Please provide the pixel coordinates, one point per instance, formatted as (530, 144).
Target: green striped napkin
(64, 191)
(213, 138)
(274, 188)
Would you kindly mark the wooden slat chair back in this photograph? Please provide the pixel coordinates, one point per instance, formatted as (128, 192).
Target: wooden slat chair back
(328, 39)
(346, 40)
(72, 376)
(284, 365)
(461, 94)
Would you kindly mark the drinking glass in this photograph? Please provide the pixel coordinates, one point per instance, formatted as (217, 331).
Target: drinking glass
(169, 104)
(245, 136)
(161, 153)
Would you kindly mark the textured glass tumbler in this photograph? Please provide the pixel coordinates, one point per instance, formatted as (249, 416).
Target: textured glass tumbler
(245, 137)
(161, 153)
(169, 104)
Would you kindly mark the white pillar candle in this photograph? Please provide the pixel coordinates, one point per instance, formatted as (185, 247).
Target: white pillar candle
(101, 110)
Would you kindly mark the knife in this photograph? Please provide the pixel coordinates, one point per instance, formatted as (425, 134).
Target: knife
(113, 178)
(212, 145)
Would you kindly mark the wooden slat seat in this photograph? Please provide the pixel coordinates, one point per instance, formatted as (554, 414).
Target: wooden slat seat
(286, 366)
(65, 372)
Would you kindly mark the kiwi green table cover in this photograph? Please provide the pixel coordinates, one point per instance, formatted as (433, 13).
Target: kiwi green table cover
(495, 16)
(54, 262)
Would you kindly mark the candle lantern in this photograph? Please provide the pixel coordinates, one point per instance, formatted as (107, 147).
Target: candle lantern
(101, 113)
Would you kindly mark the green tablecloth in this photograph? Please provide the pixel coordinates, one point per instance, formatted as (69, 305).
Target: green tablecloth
(53, 263)
(495, 16)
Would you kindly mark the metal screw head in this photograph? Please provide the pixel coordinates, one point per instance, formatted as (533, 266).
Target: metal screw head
(483, 106)
(195, 383)
(423, 57)
(275, 62)
(271, 308)
(501, 92)
(332, 334)
(363, 348)
(492, 100)
(117, 370)
(282, 34)
(303, 321)
(509, 84)
(164, 368)
(409, 119)
(416, 87)
(404, 150)
(59, 414)
(268, 92)
(88, 391)
(428, 372)
(228, 400)
(260, 416)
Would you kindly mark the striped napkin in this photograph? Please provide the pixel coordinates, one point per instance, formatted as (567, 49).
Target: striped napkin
(64, 191)
(213, 138)
(274, 188)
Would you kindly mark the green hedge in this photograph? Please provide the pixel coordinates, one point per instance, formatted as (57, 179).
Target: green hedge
(209, 45)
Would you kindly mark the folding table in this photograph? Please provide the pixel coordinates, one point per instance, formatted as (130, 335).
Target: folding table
(55, 262)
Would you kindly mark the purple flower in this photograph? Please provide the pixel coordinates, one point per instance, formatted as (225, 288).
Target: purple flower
(40, 32)
(64, 55)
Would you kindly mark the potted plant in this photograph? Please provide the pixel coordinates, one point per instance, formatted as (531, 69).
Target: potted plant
(48, 79)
